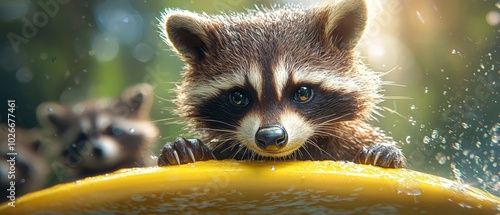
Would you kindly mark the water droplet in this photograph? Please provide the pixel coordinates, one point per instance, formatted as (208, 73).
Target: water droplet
(456, 146)
(465, 125)
(131, 130)
(413, 107)
(456, 173)
(444, 93)
(427, 140)
(461, 204)
(138, 198)
(84, 70)
(49, 109)
(426, 90)
(413, 122)
(454, 51)
(272, 168)
(441, 158)
(408, 139)
(443, 141)
(434, 134)
(481, 65)
(494, 138)
(408, 187)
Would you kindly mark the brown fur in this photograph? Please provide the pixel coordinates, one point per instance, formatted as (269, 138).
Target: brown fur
(320, 38)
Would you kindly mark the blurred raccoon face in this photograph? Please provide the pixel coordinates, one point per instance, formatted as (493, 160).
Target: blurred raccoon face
(103, 142)
(103, 133)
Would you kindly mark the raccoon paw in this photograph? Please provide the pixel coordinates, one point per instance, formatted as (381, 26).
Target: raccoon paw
(184, 151)
(381, 155)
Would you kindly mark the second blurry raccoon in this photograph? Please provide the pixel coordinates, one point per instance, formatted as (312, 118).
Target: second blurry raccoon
(103, 135)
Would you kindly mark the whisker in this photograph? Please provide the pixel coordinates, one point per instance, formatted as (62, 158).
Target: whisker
(165, 119)
(161, 98)
(223, 143)
(299, 154)
(321, 150)
(386, 73)
(307, 151)
(231, 146)
(397, 98)
(393, 112)
(390, 83)
(237, 151)
(317, 121)
(217, 121)
(321, 133)
(215, 129)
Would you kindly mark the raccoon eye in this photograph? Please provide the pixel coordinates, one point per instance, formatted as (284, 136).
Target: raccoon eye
(238, 98)
(303, 94)
(114, 130)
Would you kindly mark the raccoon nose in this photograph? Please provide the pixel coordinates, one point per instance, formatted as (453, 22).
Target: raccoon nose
(271, 138)
(98, 151)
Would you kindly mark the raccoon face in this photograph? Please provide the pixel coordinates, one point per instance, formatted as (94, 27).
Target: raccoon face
(274, 81)
(103, 140)
(103, 133)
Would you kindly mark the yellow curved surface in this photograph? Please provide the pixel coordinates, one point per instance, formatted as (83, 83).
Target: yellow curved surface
(231, 187)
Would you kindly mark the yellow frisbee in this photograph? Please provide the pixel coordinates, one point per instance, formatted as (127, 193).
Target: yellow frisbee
(234, 187)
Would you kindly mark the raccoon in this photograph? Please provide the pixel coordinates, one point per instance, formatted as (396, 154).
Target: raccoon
(277, 84)
(32, 170)
(102, 135)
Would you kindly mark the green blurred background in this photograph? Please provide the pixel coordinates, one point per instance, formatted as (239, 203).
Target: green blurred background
(442, 57)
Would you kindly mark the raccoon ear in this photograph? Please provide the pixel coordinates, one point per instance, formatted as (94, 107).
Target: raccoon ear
(186, 33)
(345, 23)
(54, 116)
(139, 99)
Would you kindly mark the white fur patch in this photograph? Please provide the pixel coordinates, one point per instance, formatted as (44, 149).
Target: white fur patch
(246, 130)
(206, 89)
(297, 128)
(111, 152)
(254, 75)
(326, 79)
(85, 124)
(103, 121)
(280, 78)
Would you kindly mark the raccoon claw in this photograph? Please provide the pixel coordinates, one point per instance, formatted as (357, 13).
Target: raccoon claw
(184, 151)
(387, 156)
